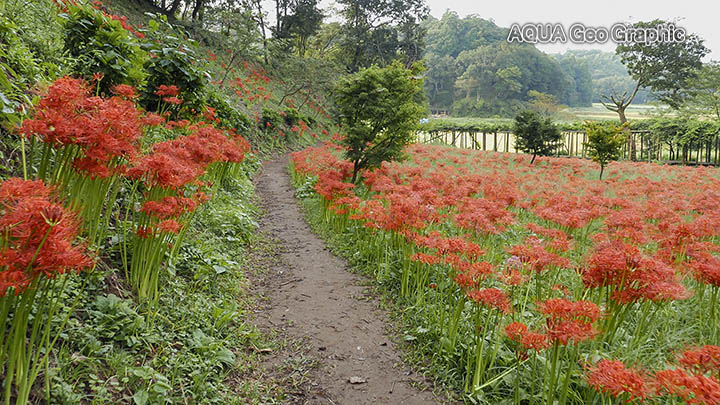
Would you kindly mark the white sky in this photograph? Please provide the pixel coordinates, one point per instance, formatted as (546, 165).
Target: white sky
(696, 16)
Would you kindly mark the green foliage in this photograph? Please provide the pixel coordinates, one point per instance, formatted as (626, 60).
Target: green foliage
(229, 116)
(30, 52)
(607, 74)
(100, 44)
(381, 31)
(705, 91)
(664, 66)
(174, 61)
(604, 142)
(270, 119)
(535, 135)
(544, 104)
(473, 71)
(379, 109)
(116, 351)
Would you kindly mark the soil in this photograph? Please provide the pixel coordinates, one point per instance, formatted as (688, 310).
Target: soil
(309, 296)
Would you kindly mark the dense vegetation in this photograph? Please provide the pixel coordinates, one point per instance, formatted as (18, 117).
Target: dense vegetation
(126, 207)
(473, 71)
(607, 73)
(537, 283)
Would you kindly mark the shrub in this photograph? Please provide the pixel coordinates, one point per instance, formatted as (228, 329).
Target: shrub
(535, 135)
(604, 142)
(379, 109)
(173, 62)
(101, 45)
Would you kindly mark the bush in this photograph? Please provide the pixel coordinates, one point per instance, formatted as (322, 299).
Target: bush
(100, 44)
(270, 119)
(379, 109)
(535, 135)
(229, 117)
(173, 62)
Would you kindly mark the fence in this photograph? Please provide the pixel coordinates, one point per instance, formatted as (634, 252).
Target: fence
(642, 146)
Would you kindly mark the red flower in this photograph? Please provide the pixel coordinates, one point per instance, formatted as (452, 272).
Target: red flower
(613, 378)
(164, 90)
(169, 226)
(492, 298)
(37, 235)
(172, 100)
(519, 333)
(125, 91)
(702, 360)
(693, 389)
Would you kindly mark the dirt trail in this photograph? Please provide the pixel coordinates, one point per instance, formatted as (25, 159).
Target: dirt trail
(310, 295)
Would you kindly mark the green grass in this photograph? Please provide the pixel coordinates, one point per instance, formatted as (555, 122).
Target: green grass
(196, 346)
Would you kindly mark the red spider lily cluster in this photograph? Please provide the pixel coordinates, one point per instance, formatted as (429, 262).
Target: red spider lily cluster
(592, 254)
(37, 236)
(102, 130)
(694, 382)
(100, 139)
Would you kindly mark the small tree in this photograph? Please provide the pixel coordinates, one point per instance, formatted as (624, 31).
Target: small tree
(535, 135)
(379, 109)
(604, 142)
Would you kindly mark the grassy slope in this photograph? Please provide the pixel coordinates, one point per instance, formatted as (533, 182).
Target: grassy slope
(196, 346)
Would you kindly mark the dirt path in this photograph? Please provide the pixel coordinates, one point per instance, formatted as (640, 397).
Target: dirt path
(311, 296)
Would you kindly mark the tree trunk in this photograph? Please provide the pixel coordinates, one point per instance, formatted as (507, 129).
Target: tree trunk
(173, 8)
(602, 169)
(197, 9)
(533, 158)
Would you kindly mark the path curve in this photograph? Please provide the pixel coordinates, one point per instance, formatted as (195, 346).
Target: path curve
(312, 296)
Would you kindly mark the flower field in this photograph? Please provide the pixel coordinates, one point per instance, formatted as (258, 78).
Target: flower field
(539, 283)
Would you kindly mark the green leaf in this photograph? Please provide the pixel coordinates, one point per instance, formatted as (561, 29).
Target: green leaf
(141, 397)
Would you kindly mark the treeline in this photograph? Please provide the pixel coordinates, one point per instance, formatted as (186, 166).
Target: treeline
(473, 71)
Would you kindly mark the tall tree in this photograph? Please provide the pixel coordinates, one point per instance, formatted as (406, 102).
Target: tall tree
(664, 66)
(380, 31)
(299, 21)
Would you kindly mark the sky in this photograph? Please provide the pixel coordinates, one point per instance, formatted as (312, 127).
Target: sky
(695, 16)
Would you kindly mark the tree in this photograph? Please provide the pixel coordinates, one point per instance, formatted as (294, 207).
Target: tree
(705, 89)
(380, 109)
(544, 104)
(297, 20)
(381, 31)
(604, 142)
(535, 135)
(664, 66)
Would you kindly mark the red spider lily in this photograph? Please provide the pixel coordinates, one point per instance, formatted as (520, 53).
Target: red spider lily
(125, 91)
(169, 226)
(534, 253)
(169, 207)
(634, 277)
(693, 389)
(702, 360)
(105, 129)
(169, 91)
(520, 333)
(491, 298)
(613, 378)
(172, 100)
(425, 258)
(37, 236)
(570, 320)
